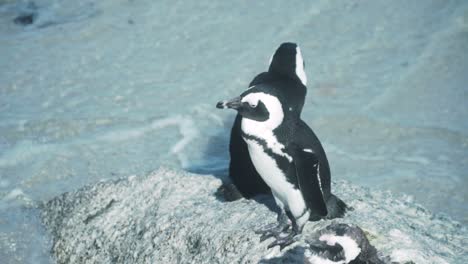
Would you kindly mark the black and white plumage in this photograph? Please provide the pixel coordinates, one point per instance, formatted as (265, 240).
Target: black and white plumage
(286, 71)
(288, 156)
(342, 244)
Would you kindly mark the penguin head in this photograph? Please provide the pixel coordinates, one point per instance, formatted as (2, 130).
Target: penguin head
(276, 94)
(287, 62)
(342, 243)
(261, 104)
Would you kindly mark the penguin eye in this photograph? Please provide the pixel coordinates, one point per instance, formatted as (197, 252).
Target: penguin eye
(253, 104)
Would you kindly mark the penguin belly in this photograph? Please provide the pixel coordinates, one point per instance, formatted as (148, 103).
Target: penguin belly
(275, 178)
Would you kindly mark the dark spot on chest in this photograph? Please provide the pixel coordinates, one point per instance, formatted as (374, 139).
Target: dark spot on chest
(282, 162)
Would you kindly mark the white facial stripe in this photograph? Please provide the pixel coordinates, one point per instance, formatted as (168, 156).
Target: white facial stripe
(264, 129)
(300, 66)
(350, 247)
(251, 99)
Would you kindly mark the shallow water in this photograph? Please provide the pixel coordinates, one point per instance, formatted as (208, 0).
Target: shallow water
(106, 89)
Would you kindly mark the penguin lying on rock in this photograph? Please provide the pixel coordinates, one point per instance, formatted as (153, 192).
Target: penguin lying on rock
(288, 156)
(286, 71)
(337, 243)
(341, 244)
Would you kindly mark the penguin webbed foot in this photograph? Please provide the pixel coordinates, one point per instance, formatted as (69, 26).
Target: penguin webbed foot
(284, 241)
(271, 230)
(266, 228)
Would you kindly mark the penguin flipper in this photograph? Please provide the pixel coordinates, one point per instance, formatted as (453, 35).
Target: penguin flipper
(307, 170)
(242, 172)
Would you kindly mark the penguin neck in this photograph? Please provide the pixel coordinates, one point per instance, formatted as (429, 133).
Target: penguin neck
(254, 131)
(261, 129)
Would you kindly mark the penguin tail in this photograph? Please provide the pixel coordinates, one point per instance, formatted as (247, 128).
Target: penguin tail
(336, 207)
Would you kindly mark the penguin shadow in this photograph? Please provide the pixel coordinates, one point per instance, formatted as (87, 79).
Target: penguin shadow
(215, 161)
(214, 158)
(294, 255)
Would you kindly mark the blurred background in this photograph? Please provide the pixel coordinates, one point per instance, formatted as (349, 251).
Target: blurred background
(95, 90)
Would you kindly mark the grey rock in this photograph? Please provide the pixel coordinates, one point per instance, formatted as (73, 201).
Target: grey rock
(175, 217)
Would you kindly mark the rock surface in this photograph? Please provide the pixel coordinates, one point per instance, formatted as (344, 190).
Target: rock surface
(175, 217)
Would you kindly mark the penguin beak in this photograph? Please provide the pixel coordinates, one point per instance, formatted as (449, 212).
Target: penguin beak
(234, 103)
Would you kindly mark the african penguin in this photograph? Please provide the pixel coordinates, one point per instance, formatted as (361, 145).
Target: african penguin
(341, 244)
(286, 72)
(289, 158)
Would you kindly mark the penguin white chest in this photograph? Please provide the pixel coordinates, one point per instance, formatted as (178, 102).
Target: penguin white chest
(268, 169)
(266, 166)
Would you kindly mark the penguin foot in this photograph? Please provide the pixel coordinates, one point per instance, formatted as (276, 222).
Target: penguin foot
(284, 241)
(271, 230)
(266, 228)
(269, 234)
